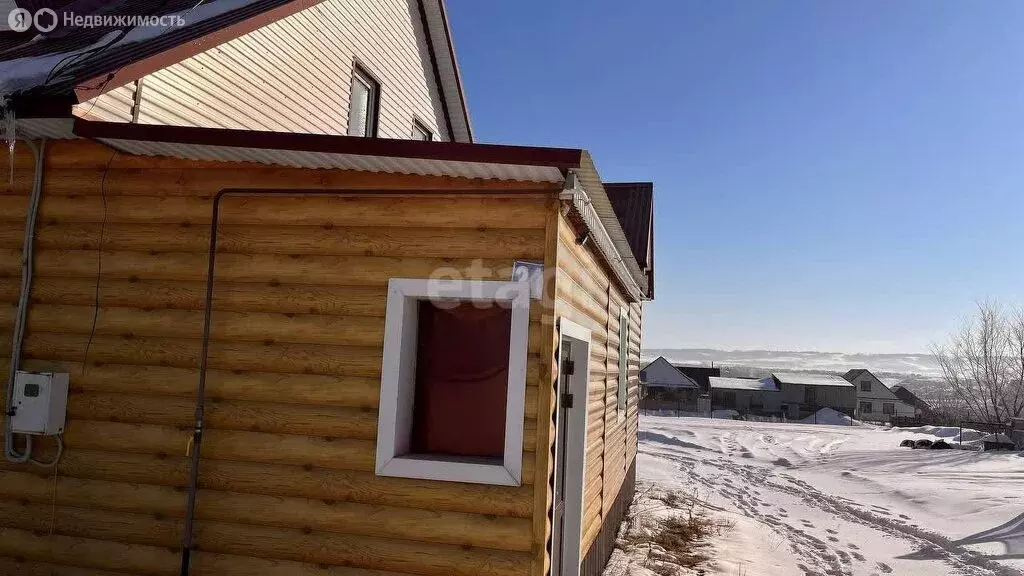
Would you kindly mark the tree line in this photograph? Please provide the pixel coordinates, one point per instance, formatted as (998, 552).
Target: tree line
(983, 364)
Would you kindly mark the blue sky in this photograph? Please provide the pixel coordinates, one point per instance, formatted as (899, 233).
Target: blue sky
(840, 176)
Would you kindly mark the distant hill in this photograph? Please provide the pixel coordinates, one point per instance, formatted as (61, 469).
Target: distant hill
(918, 364)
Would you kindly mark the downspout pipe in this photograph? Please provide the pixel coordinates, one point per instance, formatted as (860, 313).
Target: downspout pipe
(577, 200)
(27, 252)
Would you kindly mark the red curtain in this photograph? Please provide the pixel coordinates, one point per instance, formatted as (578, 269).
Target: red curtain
(461, 380)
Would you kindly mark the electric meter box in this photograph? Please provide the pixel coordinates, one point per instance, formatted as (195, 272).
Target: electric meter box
(40, 403)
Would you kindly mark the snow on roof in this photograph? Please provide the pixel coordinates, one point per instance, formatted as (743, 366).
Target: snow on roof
(810, 379)
(766, 384)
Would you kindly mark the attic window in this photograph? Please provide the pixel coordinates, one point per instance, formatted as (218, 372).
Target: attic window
(865, 385)
(364, 104)
(453, 381)
(421, 132)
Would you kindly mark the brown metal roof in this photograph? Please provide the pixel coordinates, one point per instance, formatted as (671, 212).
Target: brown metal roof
(558, 158)
(633, 203)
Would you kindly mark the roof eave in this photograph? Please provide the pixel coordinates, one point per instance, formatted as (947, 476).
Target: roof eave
(560, 158)
(98, 85)
(602, 206)
(445, 59)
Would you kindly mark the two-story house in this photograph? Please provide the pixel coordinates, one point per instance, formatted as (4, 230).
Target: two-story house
(302, 323)
(875, 401)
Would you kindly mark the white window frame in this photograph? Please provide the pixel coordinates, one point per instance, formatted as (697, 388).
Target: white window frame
(362, 75)
(576, 447)
(418, 126)
(398, 382)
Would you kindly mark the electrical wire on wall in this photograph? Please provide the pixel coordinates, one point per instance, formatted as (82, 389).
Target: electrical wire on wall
(99, 262)
(11, 452)
(194, 448)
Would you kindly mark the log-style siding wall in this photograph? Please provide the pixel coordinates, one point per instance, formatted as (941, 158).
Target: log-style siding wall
(586, 295)
(287, 484)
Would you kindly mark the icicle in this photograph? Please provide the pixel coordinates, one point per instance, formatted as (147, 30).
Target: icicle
(9, 128)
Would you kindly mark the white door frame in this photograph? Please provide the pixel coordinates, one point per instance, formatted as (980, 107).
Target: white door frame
(575, 446)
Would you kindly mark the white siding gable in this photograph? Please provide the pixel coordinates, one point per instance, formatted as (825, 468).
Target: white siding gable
(878, 395)
(662, 373)
(295, 75)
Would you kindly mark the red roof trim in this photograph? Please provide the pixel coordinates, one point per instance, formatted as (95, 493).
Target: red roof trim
(94, 87)
(562, 158)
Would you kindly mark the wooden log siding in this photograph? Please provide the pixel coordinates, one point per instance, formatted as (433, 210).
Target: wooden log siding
(586, 295)
(287, 484)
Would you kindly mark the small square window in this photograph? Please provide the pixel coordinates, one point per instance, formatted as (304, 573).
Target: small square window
(865, 385)
(888, 408)
(421, 132)
(865, 407)
(453, 381)
(364, 104)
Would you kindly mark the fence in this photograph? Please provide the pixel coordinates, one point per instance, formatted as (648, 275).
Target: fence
(1011, 437)
(719, 412)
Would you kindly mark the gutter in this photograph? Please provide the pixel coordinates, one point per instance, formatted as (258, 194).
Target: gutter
(580, 204)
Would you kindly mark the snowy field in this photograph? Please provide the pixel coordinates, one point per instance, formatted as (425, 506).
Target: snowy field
(838, 500)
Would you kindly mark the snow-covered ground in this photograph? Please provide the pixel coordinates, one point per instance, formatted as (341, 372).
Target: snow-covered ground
(839, 500)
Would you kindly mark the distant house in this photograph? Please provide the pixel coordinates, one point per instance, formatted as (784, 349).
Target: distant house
(874, 399)
(921, 408)
(700, 375)
(803, 394)
(665, 387)
(745, 395)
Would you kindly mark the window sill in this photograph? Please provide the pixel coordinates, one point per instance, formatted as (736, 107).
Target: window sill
(476, 471)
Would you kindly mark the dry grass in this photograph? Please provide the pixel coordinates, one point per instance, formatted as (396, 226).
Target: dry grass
(671, 531)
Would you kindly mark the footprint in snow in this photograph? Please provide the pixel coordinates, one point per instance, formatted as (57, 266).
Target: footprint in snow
(904, 516)
(833, 539)
(831, 531)
(884, 568)
(858, 556)
(854, 546)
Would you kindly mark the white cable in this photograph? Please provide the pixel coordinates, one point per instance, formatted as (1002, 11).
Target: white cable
(56, 458)
(10, 451)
